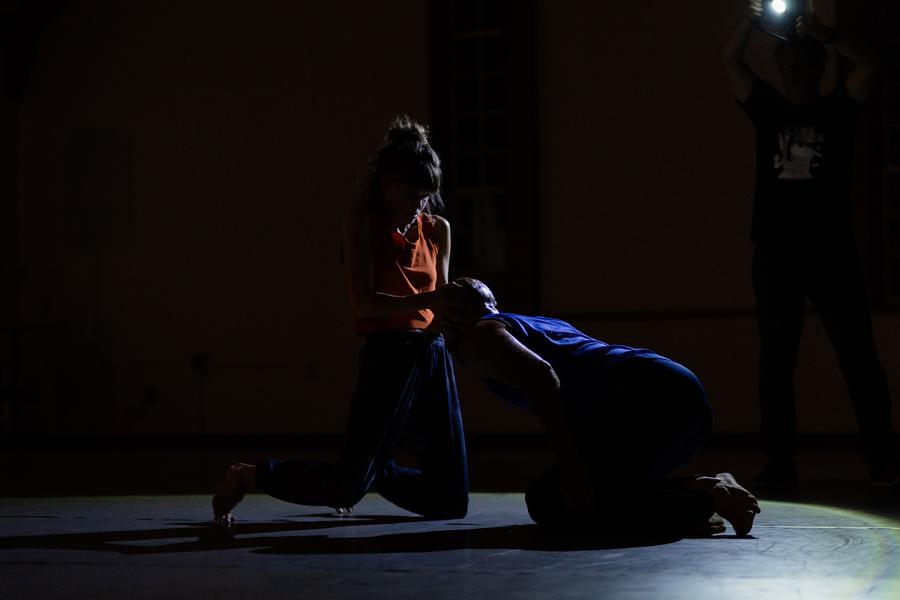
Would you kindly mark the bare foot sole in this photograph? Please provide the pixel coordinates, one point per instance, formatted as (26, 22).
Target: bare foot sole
(238, 481)
(734, 502)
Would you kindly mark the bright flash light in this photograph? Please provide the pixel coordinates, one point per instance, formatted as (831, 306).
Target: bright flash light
(779, 6)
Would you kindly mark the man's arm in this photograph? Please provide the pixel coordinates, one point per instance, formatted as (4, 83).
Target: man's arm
(489, 348)
(496, 354)
(864, 58)
(732, 54)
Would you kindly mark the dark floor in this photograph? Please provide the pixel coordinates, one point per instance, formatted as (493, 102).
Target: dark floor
(833, 538)
(163, 547)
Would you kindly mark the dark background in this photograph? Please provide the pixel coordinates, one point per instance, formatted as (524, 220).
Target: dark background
(173, 177)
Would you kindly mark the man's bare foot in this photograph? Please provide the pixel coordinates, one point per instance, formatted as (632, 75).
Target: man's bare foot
(734, 502)
(707, 528)
(238, 481)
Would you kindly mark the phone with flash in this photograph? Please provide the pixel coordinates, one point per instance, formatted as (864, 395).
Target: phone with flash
(779, 18)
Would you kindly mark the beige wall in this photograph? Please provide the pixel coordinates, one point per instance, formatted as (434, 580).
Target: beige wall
(646, 157)
(184, 168)
(9, 273)
(647, 167)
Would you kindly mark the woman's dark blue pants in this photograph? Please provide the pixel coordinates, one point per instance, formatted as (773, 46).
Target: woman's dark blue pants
(405, 396)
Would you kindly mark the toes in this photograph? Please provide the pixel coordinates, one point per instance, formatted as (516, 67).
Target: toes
(225, 521)
(742, 526)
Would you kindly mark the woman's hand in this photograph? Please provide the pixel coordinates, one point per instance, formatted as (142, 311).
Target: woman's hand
(449, 315)
(446, 300)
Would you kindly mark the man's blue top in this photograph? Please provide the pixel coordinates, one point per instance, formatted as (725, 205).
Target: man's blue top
(578, 359)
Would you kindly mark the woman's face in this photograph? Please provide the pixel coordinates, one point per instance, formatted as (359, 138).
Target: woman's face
(402, 201)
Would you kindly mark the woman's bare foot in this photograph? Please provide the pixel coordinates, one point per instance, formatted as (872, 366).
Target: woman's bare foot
(238, 481)
(734, 502)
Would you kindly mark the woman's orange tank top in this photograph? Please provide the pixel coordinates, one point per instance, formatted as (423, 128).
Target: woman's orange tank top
(401, 268)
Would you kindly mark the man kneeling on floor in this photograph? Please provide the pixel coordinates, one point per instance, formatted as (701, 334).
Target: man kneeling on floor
(619, 419)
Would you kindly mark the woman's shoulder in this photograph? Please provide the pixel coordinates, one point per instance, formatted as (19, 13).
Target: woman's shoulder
(435, 228)
(435, 223)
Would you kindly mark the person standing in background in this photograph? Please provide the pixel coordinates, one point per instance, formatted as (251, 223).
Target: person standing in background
(804, 246)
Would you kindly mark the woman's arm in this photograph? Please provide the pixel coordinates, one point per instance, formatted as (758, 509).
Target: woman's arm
(442, 237)
(360, 280)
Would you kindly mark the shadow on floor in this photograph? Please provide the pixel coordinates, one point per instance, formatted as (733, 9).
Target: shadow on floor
(259, 538)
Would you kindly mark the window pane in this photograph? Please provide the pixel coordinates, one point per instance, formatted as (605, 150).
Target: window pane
(893, 185)
(467, 55)
(496, 13)
(469, 138)
(895, 280)
(893, 21)
(892, 64)
(894, 234)
(495, 93)
(467, 15)
(496, 170)
(495, 53)
(469, 170)
(495, 133)
(467, 94)
(893, 105)
(894, 147)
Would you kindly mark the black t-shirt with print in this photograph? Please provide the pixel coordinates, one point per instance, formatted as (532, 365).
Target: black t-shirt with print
(804, 164)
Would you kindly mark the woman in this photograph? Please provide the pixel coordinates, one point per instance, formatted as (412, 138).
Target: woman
(619, 419)
(397, 255)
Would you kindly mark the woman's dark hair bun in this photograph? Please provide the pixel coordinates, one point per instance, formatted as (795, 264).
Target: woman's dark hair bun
(406, 155)
(404, 130)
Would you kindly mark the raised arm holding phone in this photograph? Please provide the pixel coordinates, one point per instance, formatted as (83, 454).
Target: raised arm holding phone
(803, 233)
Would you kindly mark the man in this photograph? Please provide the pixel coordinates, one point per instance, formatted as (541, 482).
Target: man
(620, 420)
(803, 235)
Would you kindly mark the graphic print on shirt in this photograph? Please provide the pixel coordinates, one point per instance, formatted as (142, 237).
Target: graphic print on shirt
(798, 152)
